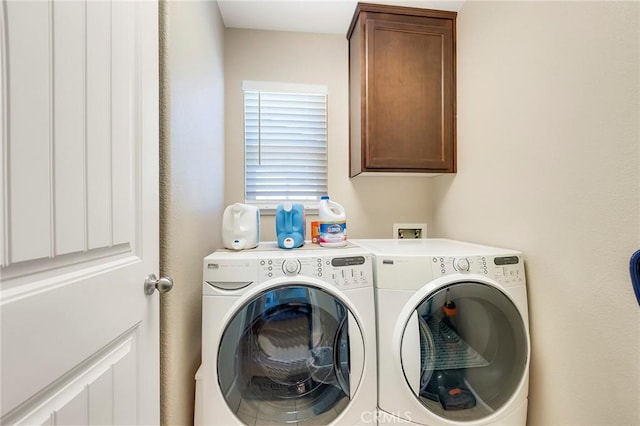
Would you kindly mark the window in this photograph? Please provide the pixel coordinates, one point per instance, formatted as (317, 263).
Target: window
(285, 140)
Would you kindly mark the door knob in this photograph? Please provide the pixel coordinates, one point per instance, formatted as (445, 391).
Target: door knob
(163, 284)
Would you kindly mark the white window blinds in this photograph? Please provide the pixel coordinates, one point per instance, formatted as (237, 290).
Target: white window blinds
(285, 135)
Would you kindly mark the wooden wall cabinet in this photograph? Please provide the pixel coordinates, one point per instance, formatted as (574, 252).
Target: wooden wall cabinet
(402, 90)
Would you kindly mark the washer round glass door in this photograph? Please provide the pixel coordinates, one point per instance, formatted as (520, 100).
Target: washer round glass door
(285, 357)
(473, 351)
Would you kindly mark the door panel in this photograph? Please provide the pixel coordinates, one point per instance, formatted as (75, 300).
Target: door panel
(98, 128)
(122, 112)
(27, 125)
(71, 136)
(79, 212)
(99, 393)
(67, 161)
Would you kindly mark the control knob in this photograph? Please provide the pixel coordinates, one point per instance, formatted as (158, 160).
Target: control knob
(291, 267)
(461, 264)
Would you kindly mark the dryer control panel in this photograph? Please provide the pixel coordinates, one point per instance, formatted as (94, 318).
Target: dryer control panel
(507, 270)
(348, 271)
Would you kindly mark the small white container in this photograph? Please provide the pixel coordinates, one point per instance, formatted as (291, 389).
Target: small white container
(333, 223)
(240, 227)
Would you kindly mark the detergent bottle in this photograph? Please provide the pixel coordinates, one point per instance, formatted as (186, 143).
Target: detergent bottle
(333, 223)
(241, 226)
(290, 225)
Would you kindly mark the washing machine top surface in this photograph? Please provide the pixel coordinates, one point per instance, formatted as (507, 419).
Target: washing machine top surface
(271, 249)
(429, 247)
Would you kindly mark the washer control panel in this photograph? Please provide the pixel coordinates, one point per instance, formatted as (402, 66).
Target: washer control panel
(507, 270)
(342, 271)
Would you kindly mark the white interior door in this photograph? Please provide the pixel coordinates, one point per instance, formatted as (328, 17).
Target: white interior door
(79, 212)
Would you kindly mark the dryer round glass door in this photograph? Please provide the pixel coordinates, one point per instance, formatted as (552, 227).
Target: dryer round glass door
(473, 350)
(285, 357)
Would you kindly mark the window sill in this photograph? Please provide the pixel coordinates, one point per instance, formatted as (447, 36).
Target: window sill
(269, 209)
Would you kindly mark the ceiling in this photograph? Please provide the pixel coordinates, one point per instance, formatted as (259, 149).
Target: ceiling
(313, 16)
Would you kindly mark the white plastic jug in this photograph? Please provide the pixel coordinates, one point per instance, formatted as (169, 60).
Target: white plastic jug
(333, 223)
(241, 226)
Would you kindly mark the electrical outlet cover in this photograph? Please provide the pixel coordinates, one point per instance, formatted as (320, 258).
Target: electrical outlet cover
(409, 230)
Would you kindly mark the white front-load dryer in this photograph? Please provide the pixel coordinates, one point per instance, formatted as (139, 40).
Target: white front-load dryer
(453, 334)
(288, 336)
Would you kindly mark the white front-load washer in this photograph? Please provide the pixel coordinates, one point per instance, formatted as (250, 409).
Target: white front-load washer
(453, 335)
(288, 336)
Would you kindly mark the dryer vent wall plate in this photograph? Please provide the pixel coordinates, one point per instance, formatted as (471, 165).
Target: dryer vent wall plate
(409, 230)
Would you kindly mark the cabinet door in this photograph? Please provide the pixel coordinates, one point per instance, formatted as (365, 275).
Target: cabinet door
(409, 95)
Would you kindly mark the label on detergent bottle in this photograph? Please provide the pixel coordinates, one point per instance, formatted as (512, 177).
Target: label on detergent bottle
(333, 233)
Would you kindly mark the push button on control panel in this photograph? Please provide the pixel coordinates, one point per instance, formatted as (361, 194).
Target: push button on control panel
(509, 274)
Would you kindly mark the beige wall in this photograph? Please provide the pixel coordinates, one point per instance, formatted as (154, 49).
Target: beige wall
(373, 204)
(549, 160)
(192, 179)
